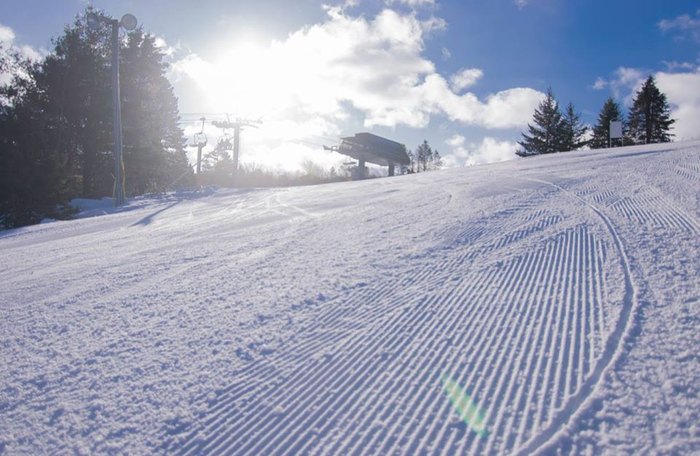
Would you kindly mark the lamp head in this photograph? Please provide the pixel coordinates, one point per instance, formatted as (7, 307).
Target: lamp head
(129, 22)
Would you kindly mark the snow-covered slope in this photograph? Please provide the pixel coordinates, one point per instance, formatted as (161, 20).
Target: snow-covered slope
(535, 305)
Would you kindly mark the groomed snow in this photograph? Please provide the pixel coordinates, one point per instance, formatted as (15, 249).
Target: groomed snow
(559, 293)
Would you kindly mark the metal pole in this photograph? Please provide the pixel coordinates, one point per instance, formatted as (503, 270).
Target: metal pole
(116, 100)
(236, 145)
(361, 168)
(199, 158)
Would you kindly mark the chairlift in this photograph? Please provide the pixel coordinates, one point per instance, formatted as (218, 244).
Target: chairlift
(200, 138)
(225, 142)
(200, 141)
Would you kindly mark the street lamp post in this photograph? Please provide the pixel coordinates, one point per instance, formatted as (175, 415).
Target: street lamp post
(117, 123)
(128, 21)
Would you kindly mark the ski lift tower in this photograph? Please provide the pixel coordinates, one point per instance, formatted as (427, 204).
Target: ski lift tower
(237, 126)
(369, 148)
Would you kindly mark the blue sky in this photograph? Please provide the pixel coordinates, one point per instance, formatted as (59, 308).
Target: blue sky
(465, 75)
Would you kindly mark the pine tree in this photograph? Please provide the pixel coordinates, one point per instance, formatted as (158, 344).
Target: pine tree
(412, 161)
(573, 130)
(52, 121)
(31, 148)
(56, 125)
(601, 131)
(72, 90)
(83, 66)
(423, 156)
(154, 154)
(650, 117)
(437, 160)
(4, 58)
(545, 136)
(217, 166)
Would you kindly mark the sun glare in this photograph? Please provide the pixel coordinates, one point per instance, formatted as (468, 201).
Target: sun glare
(281, 83)
(246, 80)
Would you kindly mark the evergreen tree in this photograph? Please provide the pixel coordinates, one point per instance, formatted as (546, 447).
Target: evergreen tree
(650, 117)
(56, 125)
(437, 160)
(601, 131)
(30, 175)
(76, 80)
(38, 153)
(423, 159)
(424, 156)
(546, 135)
(217, 165)
(154, 146)
(411, 161)
(4, 58)
(573, 131)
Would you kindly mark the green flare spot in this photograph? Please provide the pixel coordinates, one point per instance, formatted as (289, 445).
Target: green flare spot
(466, 408)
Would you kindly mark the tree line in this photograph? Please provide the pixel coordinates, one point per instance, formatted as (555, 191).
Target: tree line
(649, 121)
(56, 134)
(424, 158)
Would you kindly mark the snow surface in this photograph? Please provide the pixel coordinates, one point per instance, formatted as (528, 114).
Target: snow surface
(560, 292)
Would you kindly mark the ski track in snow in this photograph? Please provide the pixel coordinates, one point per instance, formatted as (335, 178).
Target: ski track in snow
(569, 361)
(489, 302)
(314, 321)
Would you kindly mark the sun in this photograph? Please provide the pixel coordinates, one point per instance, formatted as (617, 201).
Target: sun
(246, 79)
(281, 83)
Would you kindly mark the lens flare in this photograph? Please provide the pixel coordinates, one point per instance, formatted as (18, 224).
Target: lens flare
(467, 409)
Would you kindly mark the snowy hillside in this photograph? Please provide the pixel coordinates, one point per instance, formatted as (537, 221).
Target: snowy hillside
(539, 304)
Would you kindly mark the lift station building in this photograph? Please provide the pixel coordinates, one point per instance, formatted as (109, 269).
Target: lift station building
(369, 148)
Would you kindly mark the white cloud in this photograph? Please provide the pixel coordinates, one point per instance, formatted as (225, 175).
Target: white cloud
(165, 48)
(629, 76)
(373, 65)
(346, 71)
(521, 3)
(682, 90)
(679, 66)
(433, 24)
(412, 3)
(465, 78)
(455, 141)
(511, 108)
(683, 93)
(7, 35)
(446, 54)
(624, 84)
(685, 24)
(9, 49)
(489, 150)
(30, 53)
(600, 84)
(7, 41)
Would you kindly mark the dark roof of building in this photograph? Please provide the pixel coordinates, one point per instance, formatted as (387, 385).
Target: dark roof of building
(374, 149)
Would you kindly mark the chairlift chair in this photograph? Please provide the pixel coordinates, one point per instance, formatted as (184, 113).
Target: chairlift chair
(200, 139)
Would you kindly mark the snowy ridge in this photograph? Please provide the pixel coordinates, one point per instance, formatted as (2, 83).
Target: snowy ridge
(558, 292)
